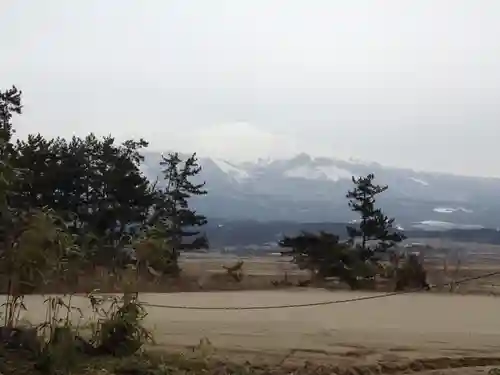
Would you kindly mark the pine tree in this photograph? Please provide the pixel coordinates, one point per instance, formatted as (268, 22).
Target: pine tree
(374, 225)
(10, 104)
(325, 256)
(178, 219)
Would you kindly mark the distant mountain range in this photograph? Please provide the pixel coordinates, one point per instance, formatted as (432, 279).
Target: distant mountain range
(307, 189)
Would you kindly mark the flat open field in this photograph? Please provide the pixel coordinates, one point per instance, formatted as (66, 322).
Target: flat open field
(205, 272)
(393, 329)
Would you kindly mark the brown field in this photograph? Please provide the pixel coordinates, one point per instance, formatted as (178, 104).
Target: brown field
(408, 332)
(394, 330)
(206, 273)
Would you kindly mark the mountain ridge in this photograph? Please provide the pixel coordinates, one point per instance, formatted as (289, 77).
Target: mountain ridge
(312, 189)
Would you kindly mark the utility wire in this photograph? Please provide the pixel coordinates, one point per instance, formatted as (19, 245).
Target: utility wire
(312, 304)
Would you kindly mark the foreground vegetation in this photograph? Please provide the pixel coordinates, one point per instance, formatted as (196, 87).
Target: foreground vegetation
(66, 207)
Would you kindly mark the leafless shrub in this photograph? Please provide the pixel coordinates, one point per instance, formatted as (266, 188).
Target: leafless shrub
(235, 271)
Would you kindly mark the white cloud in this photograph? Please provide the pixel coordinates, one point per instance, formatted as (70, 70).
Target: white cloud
(240, 141)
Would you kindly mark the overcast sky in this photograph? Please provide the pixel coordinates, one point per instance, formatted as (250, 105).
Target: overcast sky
(412, 83)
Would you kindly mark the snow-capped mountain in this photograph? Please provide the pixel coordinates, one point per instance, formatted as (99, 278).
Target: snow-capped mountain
(304, 188)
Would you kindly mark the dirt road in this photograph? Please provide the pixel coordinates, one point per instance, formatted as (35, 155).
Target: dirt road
(404, 326)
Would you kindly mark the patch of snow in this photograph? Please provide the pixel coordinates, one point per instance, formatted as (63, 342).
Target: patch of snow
(263, 162)
(334, 173)
(331, 173)
(449, 210)
(444, 210)
(303, 172)
(444, 225)
(231, 170)
(419, 181)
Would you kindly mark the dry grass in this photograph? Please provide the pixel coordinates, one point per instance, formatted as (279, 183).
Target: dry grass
(207, 273)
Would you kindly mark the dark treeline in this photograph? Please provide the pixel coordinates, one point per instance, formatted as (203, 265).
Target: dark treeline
(96, 189)
(248, 232)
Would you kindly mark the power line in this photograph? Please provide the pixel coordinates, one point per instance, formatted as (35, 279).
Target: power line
(312, 304)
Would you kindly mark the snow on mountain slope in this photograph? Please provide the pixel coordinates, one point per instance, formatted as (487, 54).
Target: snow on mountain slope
(231, 170)
(449, 210)
(444, 225)
(419, 181)
(331, 173)
(334, 173)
